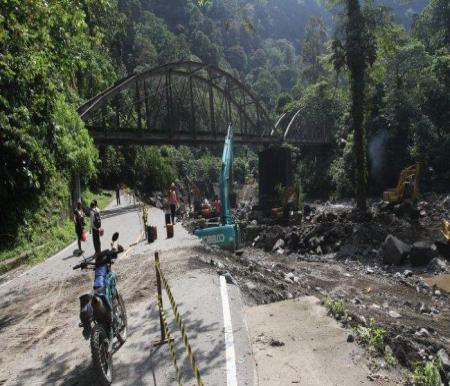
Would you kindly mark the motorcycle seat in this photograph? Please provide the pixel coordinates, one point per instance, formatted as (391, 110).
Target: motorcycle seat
(99, 291)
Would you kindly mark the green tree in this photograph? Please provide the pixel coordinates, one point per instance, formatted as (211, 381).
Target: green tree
(313, 48)
(432, 26)
(237, 58)
(359, 54)
(75, 152)
(44, 47)
(267, 86)
(154, 171)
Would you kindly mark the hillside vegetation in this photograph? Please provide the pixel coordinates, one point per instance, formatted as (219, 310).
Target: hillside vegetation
(294, 54)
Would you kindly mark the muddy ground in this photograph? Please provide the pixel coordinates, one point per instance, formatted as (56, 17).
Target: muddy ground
(333, 252)
(39, 319)
(366, 293)
(40, 322)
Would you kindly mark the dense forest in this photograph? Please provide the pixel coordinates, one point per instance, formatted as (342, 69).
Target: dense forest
(377, 74)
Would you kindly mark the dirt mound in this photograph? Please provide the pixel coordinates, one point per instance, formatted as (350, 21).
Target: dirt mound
(340, 230)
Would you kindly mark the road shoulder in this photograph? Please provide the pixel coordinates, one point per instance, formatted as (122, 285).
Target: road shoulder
(296, 342)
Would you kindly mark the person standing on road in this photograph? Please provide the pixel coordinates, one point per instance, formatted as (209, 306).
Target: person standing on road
(78, 219)
(173, 201)
(96, 223)
(118, 194)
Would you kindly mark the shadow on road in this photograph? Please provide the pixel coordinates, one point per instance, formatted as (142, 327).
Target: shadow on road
(107, 213)
(137, 362)
(75, 253)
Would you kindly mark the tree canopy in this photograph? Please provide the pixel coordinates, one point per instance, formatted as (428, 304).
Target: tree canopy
(369, 72)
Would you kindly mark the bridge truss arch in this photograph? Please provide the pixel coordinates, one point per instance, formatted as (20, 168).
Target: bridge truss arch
(305, 125)
(184, 102)
(311, 122)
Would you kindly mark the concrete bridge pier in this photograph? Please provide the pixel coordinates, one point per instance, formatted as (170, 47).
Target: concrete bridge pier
(275, 168)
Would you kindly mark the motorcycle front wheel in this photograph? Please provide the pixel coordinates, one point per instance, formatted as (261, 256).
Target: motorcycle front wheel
(121, 314)
(101, 355)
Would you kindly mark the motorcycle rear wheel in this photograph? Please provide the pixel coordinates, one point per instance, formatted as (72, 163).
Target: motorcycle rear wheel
(101, 355)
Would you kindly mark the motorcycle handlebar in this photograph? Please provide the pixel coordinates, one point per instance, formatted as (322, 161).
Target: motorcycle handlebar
(113, 255)
(84, 264)
(77, 266)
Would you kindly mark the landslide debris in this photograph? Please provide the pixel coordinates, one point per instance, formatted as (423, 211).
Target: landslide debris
(386, 234)
(376, 267)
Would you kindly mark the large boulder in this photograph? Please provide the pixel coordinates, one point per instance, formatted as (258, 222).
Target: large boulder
(293, 240)
(443, 356)
(265, 242)
(348, 251)
(251, 231)
(279, 244)
(422, 253)
(394, 251)
(267, 239)
(443, 249)
(436, 265)
(446, 202)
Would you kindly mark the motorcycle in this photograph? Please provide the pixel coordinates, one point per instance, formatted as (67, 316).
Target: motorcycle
(102, 312)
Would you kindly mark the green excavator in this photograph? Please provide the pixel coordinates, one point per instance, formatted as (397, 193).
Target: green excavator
(224, 234)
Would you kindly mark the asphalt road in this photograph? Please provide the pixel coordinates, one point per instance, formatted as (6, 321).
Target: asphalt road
(42, 343)
(122, 218)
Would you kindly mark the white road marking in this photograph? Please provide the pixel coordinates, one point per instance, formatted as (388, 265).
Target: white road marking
(230, 355)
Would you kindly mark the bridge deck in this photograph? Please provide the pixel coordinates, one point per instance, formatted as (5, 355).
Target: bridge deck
(145, 137)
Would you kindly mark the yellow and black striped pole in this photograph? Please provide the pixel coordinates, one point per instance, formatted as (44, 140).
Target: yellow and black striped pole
(164, 328)
(158, 286)
(170, 342)
(182, 327)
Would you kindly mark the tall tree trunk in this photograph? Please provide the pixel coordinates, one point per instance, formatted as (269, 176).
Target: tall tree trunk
(357, 64)
(359, 136)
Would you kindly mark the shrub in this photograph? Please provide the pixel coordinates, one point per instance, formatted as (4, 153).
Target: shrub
(335, 308)
(427, 374)
(372, 335)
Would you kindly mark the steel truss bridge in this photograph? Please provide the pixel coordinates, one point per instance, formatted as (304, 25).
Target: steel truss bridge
(188, 103)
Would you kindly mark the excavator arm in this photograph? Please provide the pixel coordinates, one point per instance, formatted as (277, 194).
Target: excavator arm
(408, 177)
(224, 179)
(226, 234)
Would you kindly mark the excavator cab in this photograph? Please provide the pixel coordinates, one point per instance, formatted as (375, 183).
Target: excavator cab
(407, 189)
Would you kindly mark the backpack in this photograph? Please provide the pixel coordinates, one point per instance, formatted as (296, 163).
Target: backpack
(79, 217)
(97, 219)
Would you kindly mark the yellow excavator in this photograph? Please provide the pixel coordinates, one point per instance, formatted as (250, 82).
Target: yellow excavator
(407, 189)
(290, 197)
(443, 247)
(446, 230)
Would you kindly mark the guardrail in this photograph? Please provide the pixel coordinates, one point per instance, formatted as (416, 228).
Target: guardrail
(166, 336)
